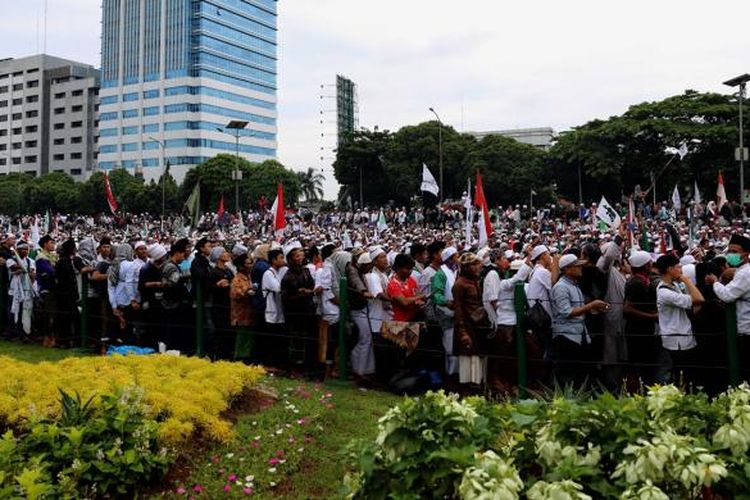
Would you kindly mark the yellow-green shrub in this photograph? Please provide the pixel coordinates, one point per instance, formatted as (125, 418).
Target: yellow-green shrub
(185, 395)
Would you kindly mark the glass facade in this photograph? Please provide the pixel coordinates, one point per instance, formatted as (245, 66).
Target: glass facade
(212, 60)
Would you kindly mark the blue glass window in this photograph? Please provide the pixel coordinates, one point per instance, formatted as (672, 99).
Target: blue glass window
(151, 127)
(151, 111)
(150, 162)
(229, 96)
(130, 146)
(111, 115)
(129, 113)
(110, 99)
(150, 145)
(217, 110)
(107, 132)
(222, 145)
(131, 96)
(108, 148)
(236, 80)
(106, 165)
(202, 125)
(129, 130)
(150, 94)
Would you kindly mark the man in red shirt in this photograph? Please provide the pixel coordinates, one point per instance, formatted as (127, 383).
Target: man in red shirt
(403, 290)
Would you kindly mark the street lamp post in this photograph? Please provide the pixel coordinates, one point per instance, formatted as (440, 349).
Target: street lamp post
(440, 149)
(741, 82)
(236, 126)
(163, 179)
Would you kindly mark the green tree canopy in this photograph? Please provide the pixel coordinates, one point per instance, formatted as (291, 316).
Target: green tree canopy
(257, 179)
(392, 164)
(618, 153)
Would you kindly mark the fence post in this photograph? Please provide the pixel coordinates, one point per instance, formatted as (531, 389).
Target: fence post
(84, 310)
(343, 320)
(199, 319)
(519, 299)
(3, 308)
(732, 354)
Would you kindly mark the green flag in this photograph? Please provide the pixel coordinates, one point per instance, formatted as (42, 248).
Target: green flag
(645, 244)
(193, 204)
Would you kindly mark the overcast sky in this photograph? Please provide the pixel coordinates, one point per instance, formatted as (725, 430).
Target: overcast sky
(483, 64)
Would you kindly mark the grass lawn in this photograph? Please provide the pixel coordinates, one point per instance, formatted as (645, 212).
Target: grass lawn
(34, 353)
(288, 443)
(290, 448)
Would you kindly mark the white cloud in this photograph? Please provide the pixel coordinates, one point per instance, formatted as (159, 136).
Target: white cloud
(496, 64)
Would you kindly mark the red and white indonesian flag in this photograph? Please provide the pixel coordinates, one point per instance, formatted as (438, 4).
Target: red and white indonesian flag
(111, 201)
(277, 209)
(484, 224)
(721, 194)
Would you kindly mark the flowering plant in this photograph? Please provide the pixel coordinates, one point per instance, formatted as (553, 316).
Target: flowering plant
(664, 444)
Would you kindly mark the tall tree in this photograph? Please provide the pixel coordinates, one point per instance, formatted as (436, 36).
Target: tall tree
(623, 151)
(311, 184)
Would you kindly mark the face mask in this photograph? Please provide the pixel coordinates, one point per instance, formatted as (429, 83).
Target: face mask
(734, 259)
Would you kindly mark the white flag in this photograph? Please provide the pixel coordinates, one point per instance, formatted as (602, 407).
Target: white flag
(606, 215)
(428, 181)
(682, 151)
(696, 194)
(676, 201)
(469, 214)
(382, 226)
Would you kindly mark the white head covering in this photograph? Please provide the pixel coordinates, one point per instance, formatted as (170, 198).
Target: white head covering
(639, 258)
(448, 253)
(156, 252)
(538, 251)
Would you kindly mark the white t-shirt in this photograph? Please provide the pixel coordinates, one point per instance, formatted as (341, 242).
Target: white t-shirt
(674, 325)
(540, 285)
(376, 283)
(271, 286)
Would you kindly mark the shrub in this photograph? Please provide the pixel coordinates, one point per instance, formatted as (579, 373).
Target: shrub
(89, 450)
(184, 395)
(666, 444)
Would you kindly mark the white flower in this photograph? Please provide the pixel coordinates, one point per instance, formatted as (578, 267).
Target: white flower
(567, 490)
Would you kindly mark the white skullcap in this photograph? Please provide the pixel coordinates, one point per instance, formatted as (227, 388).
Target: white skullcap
(639, 258)
(448, 253)
(686, 260)
(538, 251)
(364, 259)
(156, 252)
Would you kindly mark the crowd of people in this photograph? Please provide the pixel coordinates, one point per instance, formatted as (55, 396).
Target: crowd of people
(421, 300)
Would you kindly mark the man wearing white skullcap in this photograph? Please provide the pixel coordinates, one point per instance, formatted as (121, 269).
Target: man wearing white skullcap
(442, 298)
(640, 316)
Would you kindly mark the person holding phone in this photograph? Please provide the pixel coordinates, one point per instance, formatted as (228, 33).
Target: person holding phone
(571, 342)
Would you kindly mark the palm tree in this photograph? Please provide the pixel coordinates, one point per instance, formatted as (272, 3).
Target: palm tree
(311, 184)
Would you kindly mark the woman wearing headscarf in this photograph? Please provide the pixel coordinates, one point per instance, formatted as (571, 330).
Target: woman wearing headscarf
(328, 301)
(297, 288)
(219, 282)
(87, 250)
(362, 355)
(67, 270)
(472, 324)
(119, 290)
(240, 293)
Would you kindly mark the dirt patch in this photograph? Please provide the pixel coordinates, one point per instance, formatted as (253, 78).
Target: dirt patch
(249, 402)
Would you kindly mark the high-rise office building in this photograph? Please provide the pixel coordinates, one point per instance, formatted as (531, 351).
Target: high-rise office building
(48, 116)
(176, 72)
